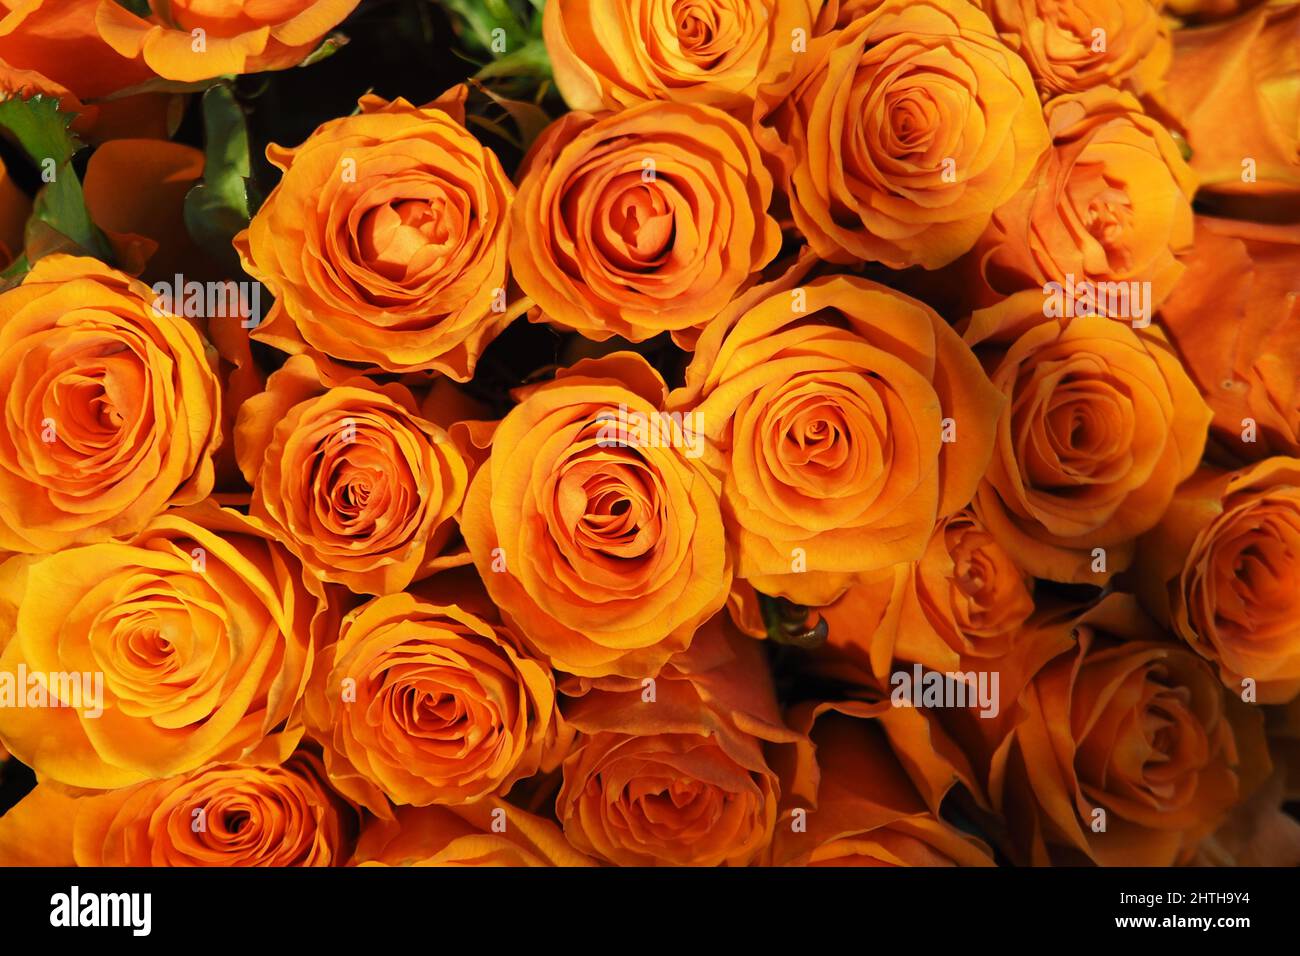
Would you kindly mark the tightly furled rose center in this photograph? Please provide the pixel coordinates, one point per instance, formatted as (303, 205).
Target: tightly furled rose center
(405, 237)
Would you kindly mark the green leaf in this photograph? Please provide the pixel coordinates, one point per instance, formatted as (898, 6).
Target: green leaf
(41, 128)
(327, 48)
(475, 20)
(139, 7)
(218, 208)
(530, 59)
(60, 221)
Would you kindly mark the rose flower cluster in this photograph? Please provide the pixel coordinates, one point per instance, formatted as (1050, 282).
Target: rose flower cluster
(745, 432)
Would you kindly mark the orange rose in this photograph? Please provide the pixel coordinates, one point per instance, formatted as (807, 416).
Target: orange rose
(624, 226)
(428, 703)
(1101, 426)
(111, 407)
(825, 410)
(190, 644)
(385, 242)
(899, 135)
(850, 801)
(1237, 97)
(1110, 203)
(1073, 46)
(192, 40)
(595, 532)
(1235, 318)
(964, 600)
(1128, 751)
(1222, 570)
(489, 832)
(610, 56)
(351, 478)
(672, 772)
(59, 40)
(221, 815)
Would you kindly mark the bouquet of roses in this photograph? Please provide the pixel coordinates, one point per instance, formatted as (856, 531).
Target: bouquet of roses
(649, 432)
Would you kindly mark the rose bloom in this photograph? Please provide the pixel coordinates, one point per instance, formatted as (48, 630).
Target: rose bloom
(384, 243)
(191, 40)
(898, 136)
(488, 832)
(1237, 97)
(1111, 202)
(1101, 425)
(824, 411)
(221, 815)
(1221, 569)
(963, 602)
(59, 40)
(1066, 53)
(204, 631)
(855, 802)
(110, 407)
(354, 481)
(1235, 319)
(595, 532)
(1128, 750)
(643, 221)
(427, 703)
(671, 772)
(610, 56)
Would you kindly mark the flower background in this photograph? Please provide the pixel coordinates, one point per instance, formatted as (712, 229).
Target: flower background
(649, 432)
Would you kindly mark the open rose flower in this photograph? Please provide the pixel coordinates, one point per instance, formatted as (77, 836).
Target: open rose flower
(1101, 425)
(1235, 319)
(351, 478)
(643, 221)
(1074, 45)
(426, 703)
(221, 815)
(1237, 96)
(384, 243)
(1222, 568)
(192, 40)
(824, 411)
(59, 40)
(594, 527)
(488, 832)
(1129, 751)
(898, 135)
(111, 407)
(671, 771)
(1111, 203)
(190, 644)
(849, 801)
(610, 56)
